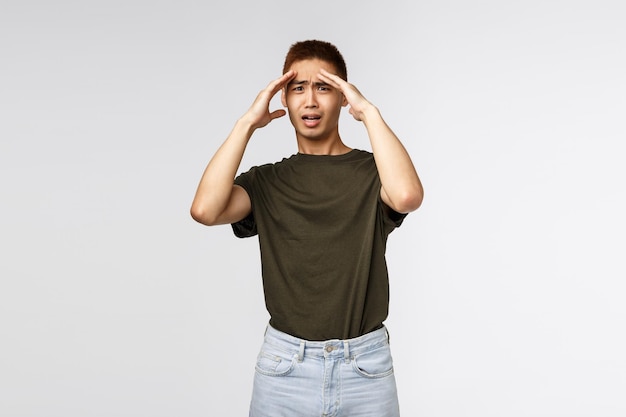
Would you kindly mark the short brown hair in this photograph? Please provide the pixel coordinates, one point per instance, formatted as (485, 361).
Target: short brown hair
(314, 49)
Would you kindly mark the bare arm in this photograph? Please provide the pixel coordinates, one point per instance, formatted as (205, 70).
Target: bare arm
(401, 187)
(217, 199)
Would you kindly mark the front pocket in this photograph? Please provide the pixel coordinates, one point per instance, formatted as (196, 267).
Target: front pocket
(273, 365)
(376, 363)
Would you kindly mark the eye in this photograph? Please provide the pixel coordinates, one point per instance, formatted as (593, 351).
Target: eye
(298, 88)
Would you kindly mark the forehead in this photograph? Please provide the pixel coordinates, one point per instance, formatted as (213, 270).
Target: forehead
(312, 66)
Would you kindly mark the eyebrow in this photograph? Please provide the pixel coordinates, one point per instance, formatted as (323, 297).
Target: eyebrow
(304, 82)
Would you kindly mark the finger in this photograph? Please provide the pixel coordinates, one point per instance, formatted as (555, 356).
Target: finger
(354, 114)
(277, 113)
(328, 73)
(349, 90)
(343, 88)
(275, 86)
(279, 83)
(333, 77)
(327, 79)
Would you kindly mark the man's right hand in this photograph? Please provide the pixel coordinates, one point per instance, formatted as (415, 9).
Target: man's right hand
(259, 114)
(218, 200)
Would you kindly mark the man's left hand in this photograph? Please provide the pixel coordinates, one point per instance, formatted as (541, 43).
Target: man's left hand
(358, 104)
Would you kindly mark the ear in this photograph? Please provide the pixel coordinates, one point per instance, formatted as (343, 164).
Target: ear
(344, 101)
(283, 98)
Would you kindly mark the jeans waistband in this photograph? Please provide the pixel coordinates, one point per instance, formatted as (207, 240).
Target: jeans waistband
(346, 349)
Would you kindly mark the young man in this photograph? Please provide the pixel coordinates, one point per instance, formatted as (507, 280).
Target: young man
(322, 217)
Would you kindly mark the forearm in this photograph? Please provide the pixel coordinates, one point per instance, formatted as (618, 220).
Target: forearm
(217, 201)
(400, 182)
(216, 185)
(401, 187)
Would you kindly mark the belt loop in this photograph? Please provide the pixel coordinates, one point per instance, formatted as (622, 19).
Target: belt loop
(346, 351)
(301, 352)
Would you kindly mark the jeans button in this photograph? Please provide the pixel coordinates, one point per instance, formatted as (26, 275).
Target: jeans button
(329, 349)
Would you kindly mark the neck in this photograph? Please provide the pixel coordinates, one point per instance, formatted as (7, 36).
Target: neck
(322, 147)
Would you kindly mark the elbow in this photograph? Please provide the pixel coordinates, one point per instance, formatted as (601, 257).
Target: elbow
(197, 213)
(202, 216)
(409, 201)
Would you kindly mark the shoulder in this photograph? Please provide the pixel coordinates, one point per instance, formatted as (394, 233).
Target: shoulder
(356, 155)
(360, 156)
(363, 154)
(262, 174)
(268, 167)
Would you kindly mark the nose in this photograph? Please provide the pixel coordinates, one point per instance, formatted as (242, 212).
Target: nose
(311, 100)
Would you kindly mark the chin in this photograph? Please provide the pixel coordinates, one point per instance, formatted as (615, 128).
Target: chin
(311, 137)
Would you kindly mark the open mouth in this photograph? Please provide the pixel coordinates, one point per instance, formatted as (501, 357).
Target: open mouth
(311, 120)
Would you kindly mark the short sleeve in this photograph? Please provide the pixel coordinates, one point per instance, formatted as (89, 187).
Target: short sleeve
(246, 227)
(392, 218)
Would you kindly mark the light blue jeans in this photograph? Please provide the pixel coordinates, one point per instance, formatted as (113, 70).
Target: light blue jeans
(299, 378)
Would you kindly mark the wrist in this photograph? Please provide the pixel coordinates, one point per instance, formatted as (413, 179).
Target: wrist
(244, 124)
(242, 131)
(369, 113)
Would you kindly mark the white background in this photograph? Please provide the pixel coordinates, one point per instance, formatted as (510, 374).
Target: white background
(507, 284)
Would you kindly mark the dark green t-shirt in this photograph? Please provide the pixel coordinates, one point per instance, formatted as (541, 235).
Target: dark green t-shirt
(322, 230)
